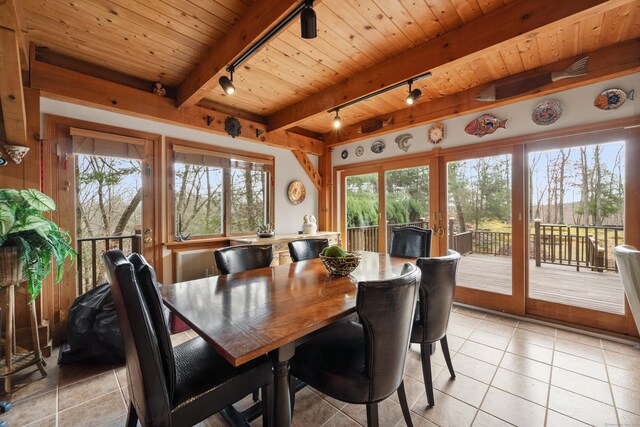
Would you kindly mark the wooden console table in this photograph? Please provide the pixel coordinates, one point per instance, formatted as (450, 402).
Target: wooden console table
(279, 242)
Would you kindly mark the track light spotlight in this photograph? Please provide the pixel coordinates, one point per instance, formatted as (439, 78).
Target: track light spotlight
(308, 21)
(227, 83)
(337, 121)
(414, 94)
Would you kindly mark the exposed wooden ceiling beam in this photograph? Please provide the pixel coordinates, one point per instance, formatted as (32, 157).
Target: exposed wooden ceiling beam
(308, 168)
(11, 91)
(12, 18)
(514, 22)
(63, 84)
(260, 18)
(604, 64)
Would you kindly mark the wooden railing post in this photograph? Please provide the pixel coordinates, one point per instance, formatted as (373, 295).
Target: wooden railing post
(536, 241)
(136, 242)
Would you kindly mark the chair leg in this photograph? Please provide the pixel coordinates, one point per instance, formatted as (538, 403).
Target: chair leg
(372, 415)
(256, 396)
(267, 405)
(132, 416)
(292, 393)
(447, 356)
(402, 397)
(425, 355)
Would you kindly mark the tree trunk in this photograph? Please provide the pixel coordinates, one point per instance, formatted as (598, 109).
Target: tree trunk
(128, 212)
(584, 188)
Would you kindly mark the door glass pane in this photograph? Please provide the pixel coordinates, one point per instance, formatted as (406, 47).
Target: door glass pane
(407, 198)
(479, 212)
(108, 212)
(248, 200)
(576, 213)
(198, 203)
(362, 212)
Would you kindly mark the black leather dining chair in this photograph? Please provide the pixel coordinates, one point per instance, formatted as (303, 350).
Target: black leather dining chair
(304, 249)
(169, 386)
(410, 242)
(235, 259)
(437, 287)
(363, 361)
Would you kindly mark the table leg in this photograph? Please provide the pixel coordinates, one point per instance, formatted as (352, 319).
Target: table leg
(282, 397)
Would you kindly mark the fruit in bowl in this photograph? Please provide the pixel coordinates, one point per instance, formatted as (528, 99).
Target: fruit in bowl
(339, 262)
(265, 231)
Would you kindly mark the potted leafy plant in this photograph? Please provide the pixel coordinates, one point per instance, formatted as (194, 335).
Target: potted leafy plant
(33, 239)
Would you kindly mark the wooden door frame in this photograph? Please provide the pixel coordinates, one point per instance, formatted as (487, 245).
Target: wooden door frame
(514, 303)
(564, 313)
(57, 132)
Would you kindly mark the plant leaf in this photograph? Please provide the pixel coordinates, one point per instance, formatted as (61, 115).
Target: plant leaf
(10, 195)
(33, 223)
(7, 219)
(38, 200)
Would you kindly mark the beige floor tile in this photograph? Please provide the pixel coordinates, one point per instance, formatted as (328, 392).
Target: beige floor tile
(462, 387)
(581, 408)
(578, 337)
(179, 338)
(464, 320)
(334, 402)
(340, 420)
(474, 368)
(485, 420)
(418, 421)
(94, 412)
(626, 399)
(30, 383)
(536, 338)
(580, 365)
(470, 312)
(447, 411)
(624, 378)
(82, 391)
(311, 409)
(513, 409)
(580, 350)
(68, 374)
(489, 338)
(535, 327)
(45, 422)
(33, 409)
(628, 349)
(530, 351)
(389, 413)
(482, 352)
(623, 361)
(628, 419)
(501, 319)
(413, 367)
(454, 343)
(121, 375)
(581, 384)
(530, 368)
(496, 328)
(555, 419)
(522, 386)
(457, 330)
(413, 388)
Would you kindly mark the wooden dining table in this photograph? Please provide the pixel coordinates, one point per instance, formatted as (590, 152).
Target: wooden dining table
(264, 311)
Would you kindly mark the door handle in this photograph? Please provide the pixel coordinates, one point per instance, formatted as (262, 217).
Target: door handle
(148, 240)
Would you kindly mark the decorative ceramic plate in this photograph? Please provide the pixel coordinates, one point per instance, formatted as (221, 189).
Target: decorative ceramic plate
(359, 151)
(296, 192)
(547, 112)
(3, 161)
(344, 154)
(378, 147)
(436, 133)
(612, 98)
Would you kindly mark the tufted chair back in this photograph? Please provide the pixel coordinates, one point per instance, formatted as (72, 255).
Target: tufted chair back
(410, 242)
(235, 259)
(304, 249)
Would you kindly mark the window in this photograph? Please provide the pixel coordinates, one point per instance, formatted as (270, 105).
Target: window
(218, 193)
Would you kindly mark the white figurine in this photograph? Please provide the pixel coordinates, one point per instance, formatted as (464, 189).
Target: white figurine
(309, 225)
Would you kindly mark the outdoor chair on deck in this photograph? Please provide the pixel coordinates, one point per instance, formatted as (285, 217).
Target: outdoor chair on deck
(304, 249)
(437, 287)
(236, 259)
(169, 386)
(410, 242)
(363, 361)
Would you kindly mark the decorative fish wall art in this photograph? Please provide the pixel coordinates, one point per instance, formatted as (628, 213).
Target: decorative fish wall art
(612, 98)
(373, 125)
(403, 141)
(484, 125)
(519, 84)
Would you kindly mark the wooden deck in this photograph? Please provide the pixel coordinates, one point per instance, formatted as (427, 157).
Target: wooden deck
(550, 282)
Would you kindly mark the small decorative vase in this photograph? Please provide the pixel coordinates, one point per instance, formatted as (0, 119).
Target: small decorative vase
(309, 225)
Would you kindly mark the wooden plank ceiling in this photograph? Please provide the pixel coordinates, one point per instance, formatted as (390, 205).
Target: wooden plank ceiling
(291, 82)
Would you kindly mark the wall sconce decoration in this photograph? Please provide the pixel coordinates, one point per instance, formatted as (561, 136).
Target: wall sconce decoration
(159, 90)
(16, 152)
(232, 126)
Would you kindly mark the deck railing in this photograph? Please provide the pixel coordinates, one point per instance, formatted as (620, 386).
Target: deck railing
(366, 238)
(90, 249)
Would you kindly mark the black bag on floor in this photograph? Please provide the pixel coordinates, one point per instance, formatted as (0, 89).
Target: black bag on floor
(93, 330)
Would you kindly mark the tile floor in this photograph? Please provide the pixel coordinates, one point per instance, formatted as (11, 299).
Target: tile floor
(509, 372)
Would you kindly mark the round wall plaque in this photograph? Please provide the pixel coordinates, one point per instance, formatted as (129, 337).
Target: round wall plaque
(296, 192)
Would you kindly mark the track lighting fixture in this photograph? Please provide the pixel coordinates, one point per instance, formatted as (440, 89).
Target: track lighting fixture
(337, 121)
(414, 94)
(308, 21)
(227, 83)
